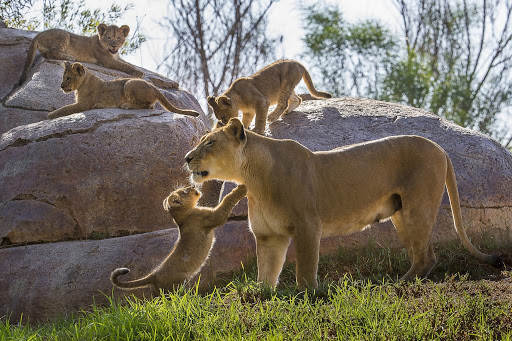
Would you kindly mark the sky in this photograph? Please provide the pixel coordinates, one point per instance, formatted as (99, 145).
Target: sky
(284, 19)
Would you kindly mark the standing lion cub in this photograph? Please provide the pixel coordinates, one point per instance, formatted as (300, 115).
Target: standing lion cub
(101, 49)
(196, 225)
(274, 84)
(95, 93)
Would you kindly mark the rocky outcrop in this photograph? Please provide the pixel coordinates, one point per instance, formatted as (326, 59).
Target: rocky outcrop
(96, 174)
(46, 281)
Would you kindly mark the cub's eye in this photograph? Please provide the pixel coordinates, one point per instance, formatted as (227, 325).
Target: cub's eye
(210, 143)
(68, 78)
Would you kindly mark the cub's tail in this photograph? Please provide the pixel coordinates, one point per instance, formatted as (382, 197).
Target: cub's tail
(309, 83)
(168, 105)
(138, 283)
(30, 59)
(453, 194)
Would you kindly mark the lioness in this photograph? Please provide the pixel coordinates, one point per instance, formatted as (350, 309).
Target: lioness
(274, 84)
(295, 193)
(99, 49)
(196, 225)
(95, 93)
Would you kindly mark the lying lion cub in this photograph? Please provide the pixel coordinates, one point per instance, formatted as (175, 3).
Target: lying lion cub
(295, 193)
(196, 225)
(101, 49)
(274, 84)
(95, 93)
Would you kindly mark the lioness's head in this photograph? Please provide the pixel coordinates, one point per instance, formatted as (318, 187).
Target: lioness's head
(112, 37)
(73, 76)
(218, 154)
(186, 197)
(223, 108)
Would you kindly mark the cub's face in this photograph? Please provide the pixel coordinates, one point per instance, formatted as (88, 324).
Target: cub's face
(182, 197)
(223, 108)
(218, 154)
(112, 37)
(73, 76)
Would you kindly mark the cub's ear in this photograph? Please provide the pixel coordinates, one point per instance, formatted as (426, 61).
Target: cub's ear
(79, 68)
(101, 29)
(225, 100)
(236, 128)
(218, 124)
(125, 29)
(211, 100)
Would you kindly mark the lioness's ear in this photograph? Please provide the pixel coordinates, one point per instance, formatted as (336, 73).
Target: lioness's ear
(101, 29)
(125, 29)
(67, 65)
(225, 100)
(236, 128)
(79, 68)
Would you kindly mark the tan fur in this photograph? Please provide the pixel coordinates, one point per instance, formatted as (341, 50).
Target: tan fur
(295, 193)
(196, 225)
(274, 84)
(101, 49)
(95, 93)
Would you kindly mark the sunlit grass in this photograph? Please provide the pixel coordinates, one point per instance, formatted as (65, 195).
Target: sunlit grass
(358, 298)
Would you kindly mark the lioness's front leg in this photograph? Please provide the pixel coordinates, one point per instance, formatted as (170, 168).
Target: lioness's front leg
(307, 246)
(271, 254)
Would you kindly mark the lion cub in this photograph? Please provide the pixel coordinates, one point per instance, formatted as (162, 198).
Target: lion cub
(95, 93)
(274, 84)
(101, 49)
(196, 225)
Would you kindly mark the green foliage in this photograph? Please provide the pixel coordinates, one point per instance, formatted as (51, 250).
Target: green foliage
(454, 58)
(71, 15)
(358, 299)
(351, 57)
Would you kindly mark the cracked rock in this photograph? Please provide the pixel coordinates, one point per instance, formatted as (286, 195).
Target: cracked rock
(95, 174)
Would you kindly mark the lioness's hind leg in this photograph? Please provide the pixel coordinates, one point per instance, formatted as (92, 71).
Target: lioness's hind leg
(414, 229)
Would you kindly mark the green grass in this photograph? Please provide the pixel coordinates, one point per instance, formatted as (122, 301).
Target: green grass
(358, 298)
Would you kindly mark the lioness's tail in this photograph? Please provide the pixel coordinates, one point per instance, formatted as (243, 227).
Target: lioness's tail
(453, 194)
(168, 105)
(138, 283)
(309, 83)
(30, 59)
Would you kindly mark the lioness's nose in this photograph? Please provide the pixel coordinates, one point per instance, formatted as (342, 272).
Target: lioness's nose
(188, 158)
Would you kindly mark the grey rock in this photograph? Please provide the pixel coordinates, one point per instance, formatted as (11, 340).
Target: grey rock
(106, 170)
(46, 281)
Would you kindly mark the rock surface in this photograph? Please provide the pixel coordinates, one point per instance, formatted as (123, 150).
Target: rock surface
(48, 280)
(99, 173)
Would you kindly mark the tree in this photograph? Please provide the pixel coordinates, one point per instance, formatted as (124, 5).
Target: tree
(352, 58)
(71, 15)
(215, 42)
(454, 58)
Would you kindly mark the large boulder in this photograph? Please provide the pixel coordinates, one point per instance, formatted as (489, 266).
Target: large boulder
(46, 281)
(96, 174)
(483, 167)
